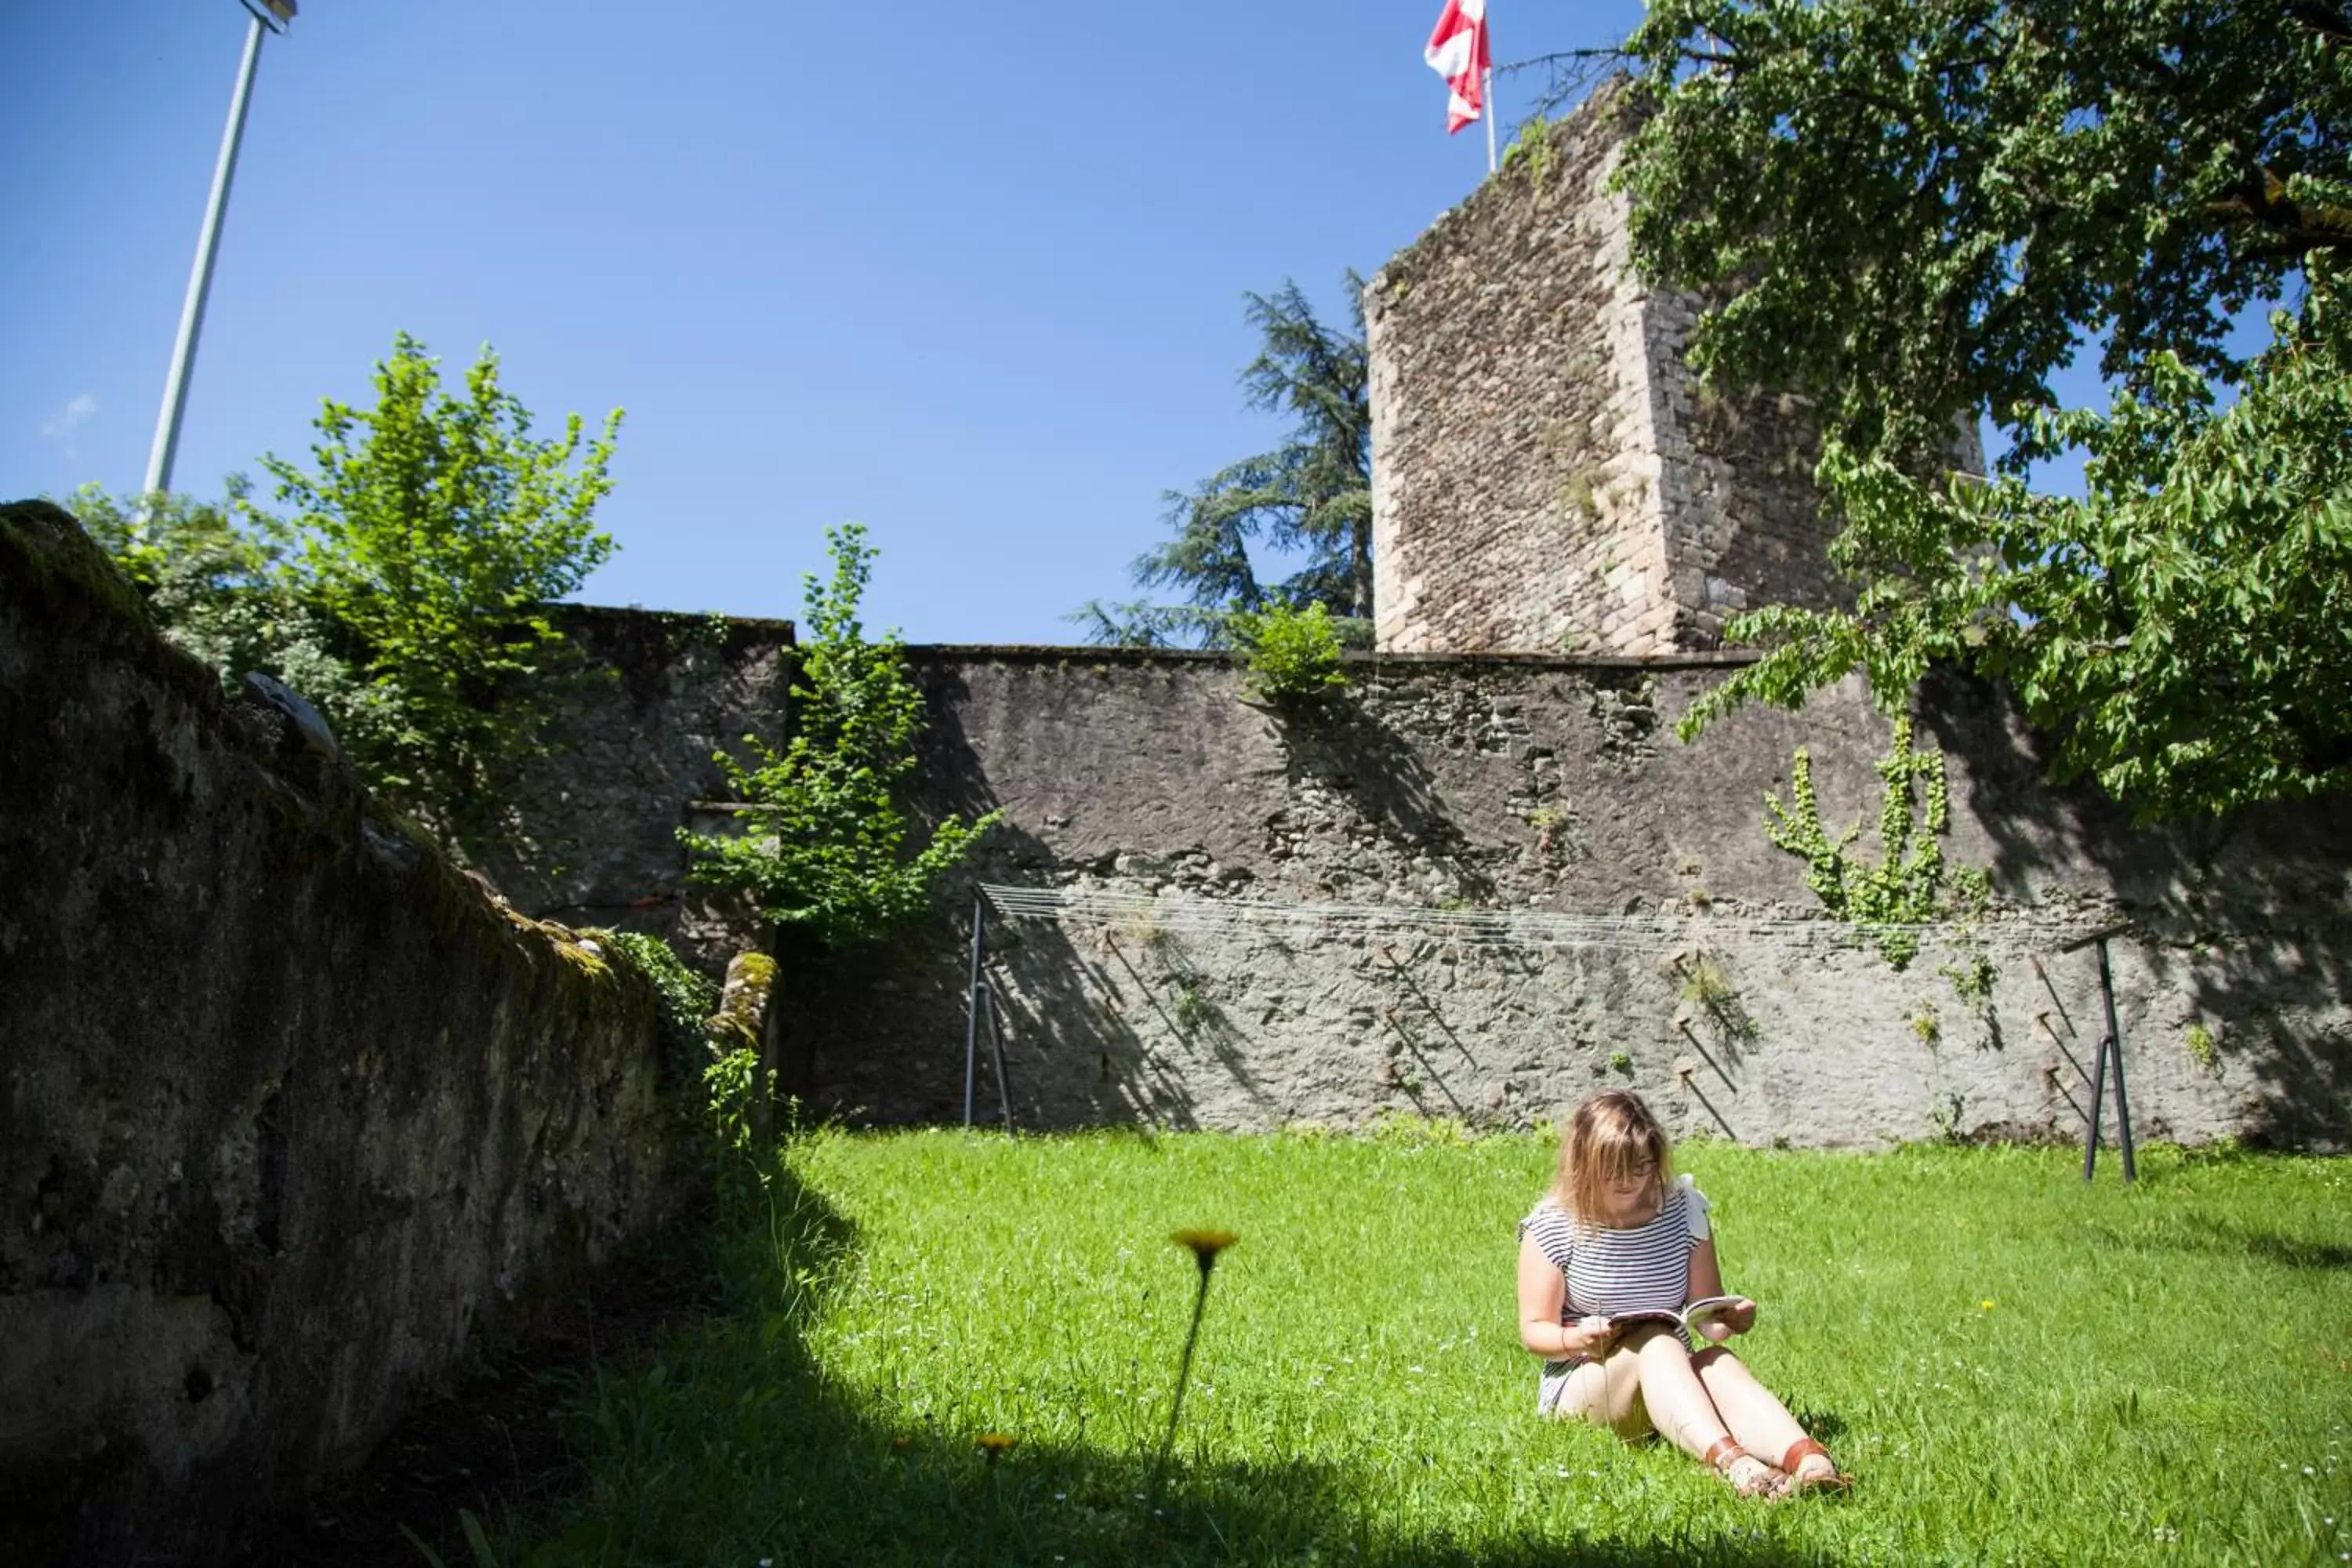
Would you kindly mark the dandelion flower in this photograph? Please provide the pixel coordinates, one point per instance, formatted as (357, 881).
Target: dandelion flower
(1987, 1306)
(995, 1445)
(1206, 1245)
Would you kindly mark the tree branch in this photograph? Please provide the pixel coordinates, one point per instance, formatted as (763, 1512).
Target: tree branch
(2332, 26)
(2267, 206)
(1554, 60)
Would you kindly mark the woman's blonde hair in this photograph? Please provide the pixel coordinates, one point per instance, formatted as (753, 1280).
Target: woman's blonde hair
(1606, 1140)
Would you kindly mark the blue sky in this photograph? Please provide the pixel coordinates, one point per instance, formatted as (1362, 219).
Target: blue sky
(970, 275)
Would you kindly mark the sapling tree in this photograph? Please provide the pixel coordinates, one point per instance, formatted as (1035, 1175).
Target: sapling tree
(404, 588)
(433, 534)
(826, 848)
(1292, 656)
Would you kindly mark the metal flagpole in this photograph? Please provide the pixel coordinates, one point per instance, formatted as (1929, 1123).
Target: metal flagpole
(1487, 98)
(1487, 112)
(200, 280)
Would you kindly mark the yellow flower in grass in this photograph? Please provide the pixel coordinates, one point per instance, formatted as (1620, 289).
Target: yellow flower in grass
(1206, 1245)
(1987, 1306)
(996, 1444)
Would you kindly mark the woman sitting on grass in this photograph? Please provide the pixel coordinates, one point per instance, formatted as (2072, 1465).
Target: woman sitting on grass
(1617, 1234)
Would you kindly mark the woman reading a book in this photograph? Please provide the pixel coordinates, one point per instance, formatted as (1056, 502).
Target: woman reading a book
(1617, 1266)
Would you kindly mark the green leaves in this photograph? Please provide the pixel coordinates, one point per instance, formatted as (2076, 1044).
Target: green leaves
(406, 595)
(217, 589)
(1293, 655)
(1311, 496)
(1906, 888)
(434, 529)
(1917, 212)
(1923, 206)
(2183, 633)
(826, 845)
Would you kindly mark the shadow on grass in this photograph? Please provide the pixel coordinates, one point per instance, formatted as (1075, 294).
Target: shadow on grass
(732, 1445)
(2222, 1239)
(489, 1443)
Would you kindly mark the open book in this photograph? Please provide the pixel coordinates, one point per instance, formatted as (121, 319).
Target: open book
(1706, 1310)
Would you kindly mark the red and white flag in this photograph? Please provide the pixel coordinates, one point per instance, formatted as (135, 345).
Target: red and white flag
(1458, 51)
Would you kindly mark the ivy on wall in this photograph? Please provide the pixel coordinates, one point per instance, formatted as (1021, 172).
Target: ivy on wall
(1911, 883)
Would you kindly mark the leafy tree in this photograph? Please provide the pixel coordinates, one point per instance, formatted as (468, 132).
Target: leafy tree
(434, 531)
(216, 588)
(1921, 209)
(1914, 212)
(1312, 494)
(829, 854)
(2184, 632)
(406, 596)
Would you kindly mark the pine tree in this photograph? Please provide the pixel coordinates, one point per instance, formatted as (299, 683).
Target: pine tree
(1311, 496)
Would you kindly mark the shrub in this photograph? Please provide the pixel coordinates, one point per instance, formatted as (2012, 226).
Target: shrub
(1293, 656)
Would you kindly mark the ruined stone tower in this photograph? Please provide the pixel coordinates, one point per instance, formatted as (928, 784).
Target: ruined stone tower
(1548, 475)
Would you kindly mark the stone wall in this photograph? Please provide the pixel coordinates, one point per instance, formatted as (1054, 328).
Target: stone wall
(658, 695)
(1504, 783)
(291, 1114)
(1547, 473)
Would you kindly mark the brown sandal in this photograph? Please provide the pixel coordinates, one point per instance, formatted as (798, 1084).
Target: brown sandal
(1749, 1475)
(1802, 1481)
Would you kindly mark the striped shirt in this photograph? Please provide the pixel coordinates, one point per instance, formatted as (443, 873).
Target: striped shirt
(1640, 1268)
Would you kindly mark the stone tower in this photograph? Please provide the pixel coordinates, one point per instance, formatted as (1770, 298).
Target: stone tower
(1548, 475)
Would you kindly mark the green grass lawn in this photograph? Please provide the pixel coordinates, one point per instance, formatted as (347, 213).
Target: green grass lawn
(2016, 1368)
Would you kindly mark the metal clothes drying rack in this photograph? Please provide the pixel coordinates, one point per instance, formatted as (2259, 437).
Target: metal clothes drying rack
(2110, 1051)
